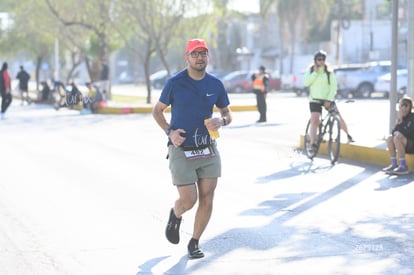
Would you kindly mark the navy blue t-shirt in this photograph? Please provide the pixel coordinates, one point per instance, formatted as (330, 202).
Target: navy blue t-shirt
(191, 102)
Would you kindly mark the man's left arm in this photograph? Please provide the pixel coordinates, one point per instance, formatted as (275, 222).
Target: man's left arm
(226, 116)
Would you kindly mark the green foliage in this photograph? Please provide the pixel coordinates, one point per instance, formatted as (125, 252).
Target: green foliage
(159, 29)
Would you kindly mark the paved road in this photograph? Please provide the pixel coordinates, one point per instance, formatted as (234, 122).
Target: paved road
(90, 194)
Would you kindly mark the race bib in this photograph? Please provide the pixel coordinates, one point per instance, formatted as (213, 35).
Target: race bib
(196, 153)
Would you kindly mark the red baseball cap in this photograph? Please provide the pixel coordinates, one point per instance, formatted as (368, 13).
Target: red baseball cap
(194, 44)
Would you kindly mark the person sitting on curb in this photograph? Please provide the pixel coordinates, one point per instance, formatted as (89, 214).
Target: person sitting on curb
(401, 140)
(93, 100)
(45, 92)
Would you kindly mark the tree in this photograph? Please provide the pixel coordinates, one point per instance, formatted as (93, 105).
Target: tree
(295, 18)
(151, 27)
(31, 35)
(92, 15)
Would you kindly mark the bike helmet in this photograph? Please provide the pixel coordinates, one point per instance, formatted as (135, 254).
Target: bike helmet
(320, 53)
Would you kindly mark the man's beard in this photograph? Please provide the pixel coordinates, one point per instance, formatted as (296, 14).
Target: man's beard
(200, 67)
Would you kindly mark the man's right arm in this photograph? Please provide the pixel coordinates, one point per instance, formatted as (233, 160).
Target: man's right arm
(158, 114)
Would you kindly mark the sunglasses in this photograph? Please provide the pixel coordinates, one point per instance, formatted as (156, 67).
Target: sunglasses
(320, 59)
(197, 54)
(404, 105)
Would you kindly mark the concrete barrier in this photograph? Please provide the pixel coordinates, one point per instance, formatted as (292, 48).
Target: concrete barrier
(361, 153)
(148, 109)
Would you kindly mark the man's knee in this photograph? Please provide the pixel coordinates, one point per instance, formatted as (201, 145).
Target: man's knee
(187, 202)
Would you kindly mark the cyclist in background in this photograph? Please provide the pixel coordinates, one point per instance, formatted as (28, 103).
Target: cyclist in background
(322, 85)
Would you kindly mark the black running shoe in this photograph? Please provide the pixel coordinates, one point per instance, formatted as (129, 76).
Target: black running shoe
(195, 252)
(172, 232)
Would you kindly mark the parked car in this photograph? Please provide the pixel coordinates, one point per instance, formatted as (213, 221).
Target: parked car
(125, 78)
(297, 84)
(219, 74)
(340, 72)
(383, 83)
(241, 81)
(275, 81)
(158, 79)
(361, 82)
(237, 82)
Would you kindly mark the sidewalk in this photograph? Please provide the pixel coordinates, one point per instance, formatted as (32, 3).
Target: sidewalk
(368, 148)
(244, 102)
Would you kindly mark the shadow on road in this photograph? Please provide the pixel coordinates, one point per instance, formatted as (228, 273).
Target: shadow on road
(313, 242)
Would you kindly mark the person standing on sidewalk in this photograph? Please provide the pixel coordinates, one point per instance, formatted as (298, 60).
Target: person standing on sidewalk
(401, 140)
(260, 88)
(23, 78)
(5, 89)
(194, 159)
(104, 80)
(322, 84)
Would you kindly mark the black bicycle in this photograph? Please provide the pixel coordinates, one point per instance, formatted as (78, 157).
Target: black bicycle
(329, 128)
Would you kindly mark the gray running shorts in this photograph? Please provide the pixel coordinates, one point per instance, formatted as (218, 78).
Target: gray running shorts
(187, 171)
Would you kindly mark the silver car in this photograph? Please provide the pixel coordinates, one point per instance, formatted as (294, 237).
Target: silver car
(383, 83)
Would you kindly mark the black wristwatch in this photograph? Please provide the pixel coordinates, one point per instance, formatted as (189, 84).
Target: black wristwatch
(168, 131)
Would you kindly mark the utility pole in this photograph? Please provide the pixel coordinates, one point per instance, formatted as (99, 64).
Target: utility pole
(394, 62)
(56, 74)
(410, 49)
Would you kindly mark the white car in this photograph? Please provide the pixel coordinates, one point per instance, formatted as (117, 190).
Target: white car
(297, 84)
(383, 83)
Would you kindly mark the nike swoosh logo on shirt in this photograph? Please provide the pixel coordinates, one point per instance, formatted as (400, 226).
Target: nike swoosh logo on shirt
(209, 94)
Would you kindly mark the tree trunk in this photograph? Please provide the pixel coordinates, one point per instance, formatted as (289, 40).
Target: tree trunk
(147, 76)
(39, 59)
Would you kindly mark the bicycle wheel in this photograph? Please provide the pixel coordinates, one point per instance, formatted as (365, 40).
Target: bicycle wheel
(334, 142)
(307, 146)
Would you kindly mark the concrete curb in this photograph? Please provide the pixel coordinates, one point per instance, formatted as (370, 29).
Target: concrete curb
(355, 152)
(360, 153)
(148, 109)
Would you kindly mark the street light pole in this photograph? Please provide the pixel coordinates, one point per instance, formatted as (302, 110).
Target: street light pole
(410, 49)
(56, 72)
(394, 62)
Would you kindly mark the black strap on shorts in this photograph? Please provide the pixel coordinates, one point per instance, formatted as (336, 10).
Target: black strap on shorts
(193, 147)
